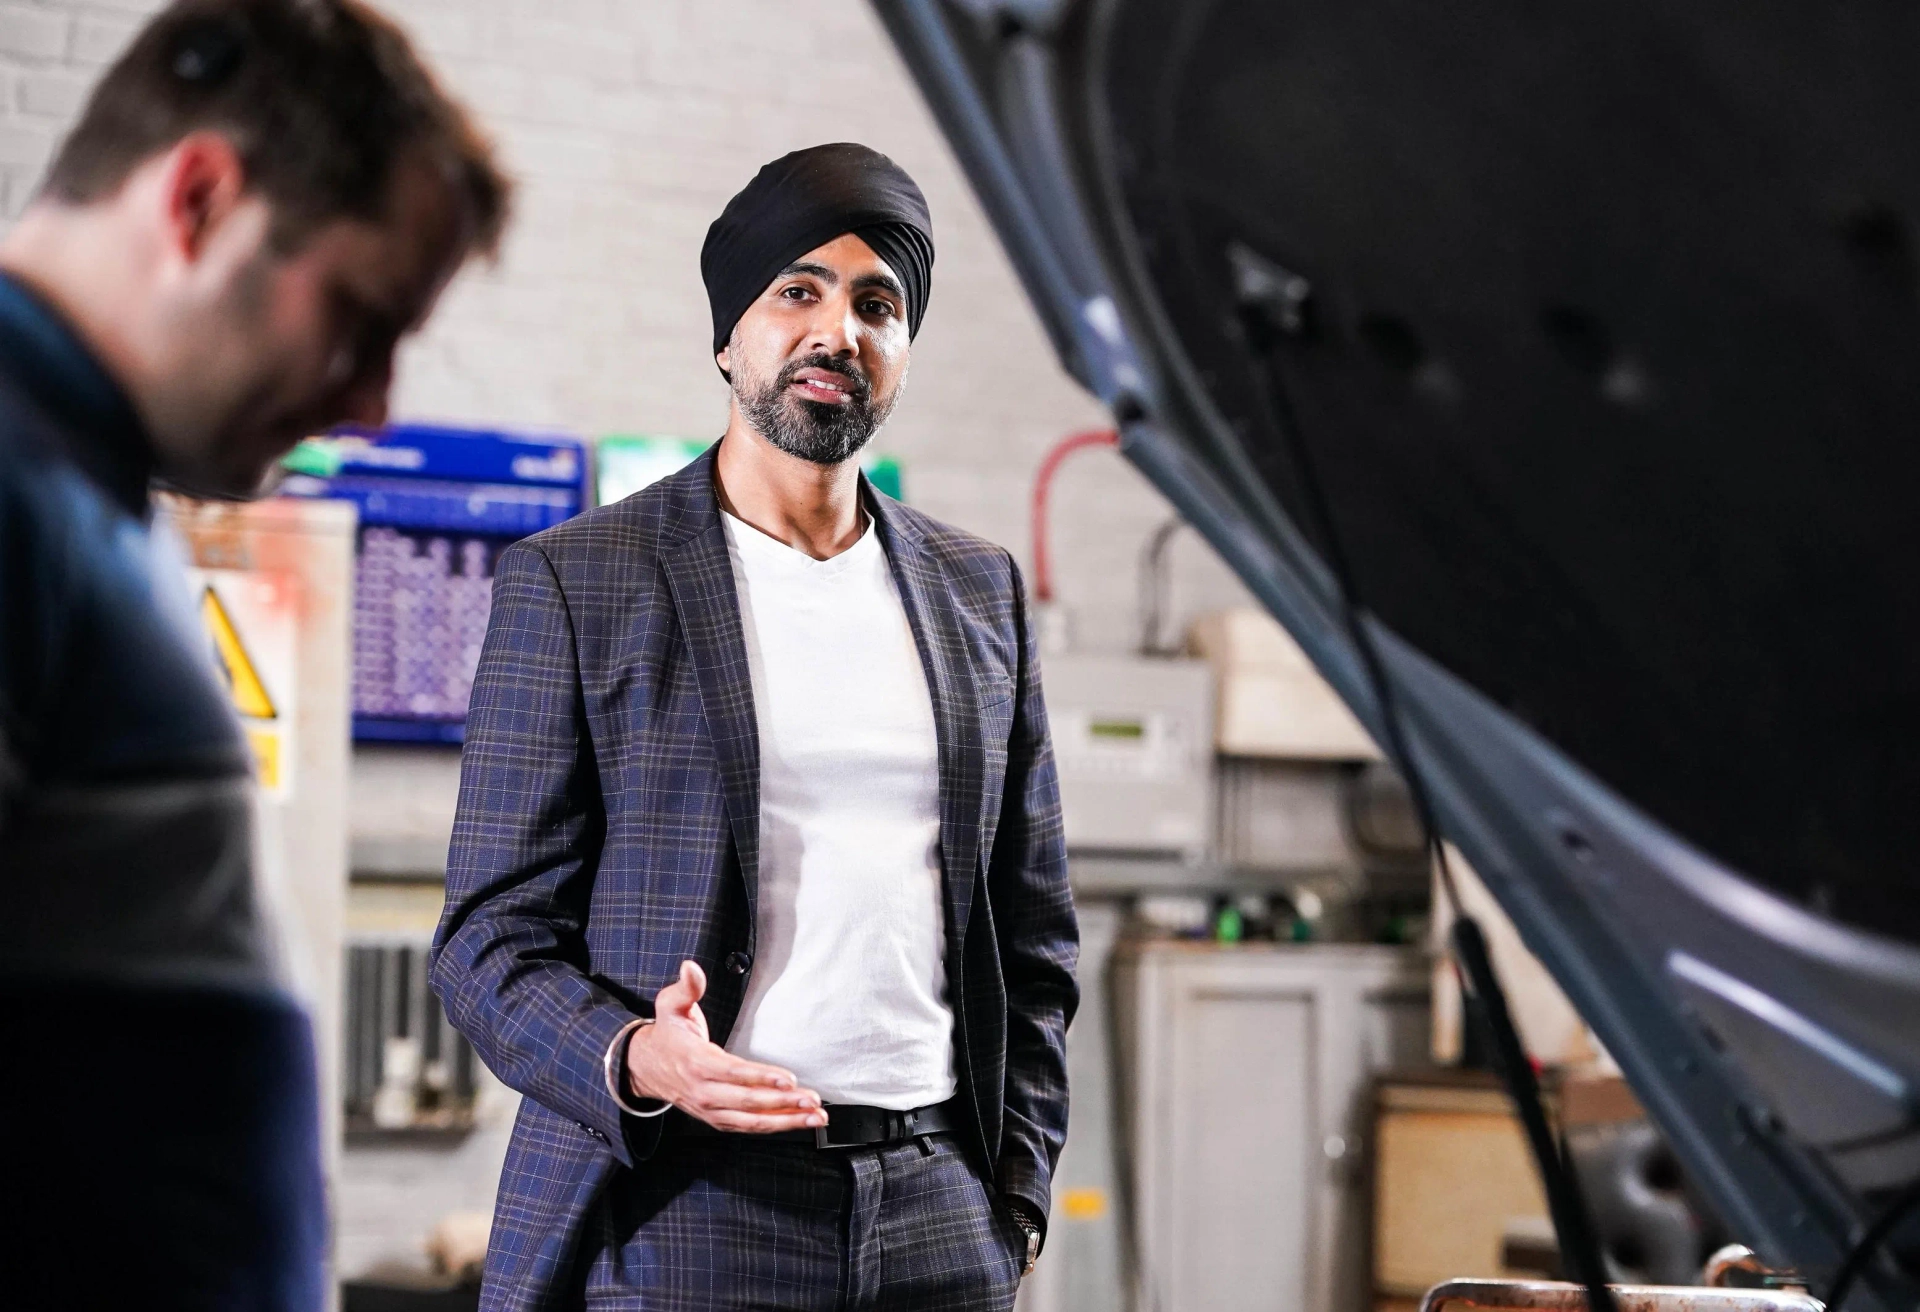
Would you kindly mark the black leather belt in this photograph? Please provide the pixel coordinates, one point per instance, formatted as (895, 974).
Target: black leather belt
(849, 1126)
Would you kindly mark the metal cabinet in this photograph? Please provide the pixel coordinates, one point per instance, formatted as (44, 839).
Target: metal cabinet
(1083, 1267)
(1245, 1073)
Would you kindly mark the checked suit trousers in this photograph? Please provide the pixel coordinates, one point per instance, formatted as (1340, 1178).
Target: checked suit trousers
(734, 1223)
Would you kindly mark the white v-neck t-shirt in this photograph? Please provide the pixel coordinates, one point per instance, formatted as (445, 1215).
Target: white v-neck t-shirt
(849, 985)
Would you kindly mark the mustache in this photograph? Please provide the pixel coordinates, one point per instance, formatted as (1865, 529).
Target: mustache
(827, 364)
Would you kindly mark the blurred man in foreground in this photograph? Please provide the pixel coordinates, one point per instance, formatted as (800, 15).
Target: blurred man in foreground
(260, 200)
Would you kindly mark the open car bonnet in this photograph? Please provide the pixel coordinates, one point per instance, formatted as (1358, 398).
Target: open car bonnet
(1598, 332)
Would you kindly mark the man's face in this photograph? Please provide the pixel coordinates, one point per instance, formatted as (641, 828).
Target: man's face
(818, 360)
(292, 342)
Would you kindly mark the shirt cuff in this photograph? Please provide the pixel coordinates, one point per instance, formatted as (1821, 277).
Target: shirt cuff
(616, 1072)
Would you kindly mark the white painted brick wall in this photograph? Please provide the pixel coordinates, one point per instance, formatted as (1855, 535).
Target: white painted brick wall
(628, 124)
(34, 36)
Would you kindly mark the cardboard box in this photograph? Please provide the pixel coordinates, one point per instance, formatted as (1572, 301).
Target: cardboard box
(1452, 1175)
(1271, 700)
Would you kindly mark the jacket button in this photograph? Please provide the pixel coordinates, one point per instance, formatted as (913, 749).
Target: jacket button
(738, 962)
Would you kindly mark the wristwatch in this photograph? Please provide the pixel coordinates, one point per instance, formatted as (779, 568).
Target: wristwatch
(1031, 1229)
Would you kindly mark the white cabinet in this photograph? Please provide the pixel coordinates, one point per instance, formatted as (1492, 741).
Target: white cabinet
(273, 581)
(1245, 1076)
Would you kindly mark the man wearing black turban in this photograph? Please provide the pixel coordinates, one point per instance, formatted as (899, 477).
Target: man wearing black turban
(799, 214)
(758, 888)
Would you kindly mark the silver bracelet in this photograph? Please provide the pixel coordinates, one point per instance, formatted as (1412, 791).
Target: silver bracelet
(615, 1082)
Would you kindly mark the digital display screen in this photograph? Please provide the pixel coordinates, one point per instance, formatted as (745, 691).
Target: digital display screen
(421, 602)
(437, 507)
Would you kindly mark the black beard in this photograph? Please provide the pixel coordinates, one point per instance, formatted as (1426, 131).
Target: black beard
(818, 432)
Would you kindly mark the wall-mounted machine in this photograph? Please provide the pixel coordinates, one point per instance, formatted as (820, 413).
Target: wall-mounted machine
(1134, 743)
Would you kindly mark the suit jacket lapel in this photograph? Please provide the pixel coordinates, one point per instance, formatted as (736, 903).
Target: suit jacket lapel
(700, 575)
(943, 654)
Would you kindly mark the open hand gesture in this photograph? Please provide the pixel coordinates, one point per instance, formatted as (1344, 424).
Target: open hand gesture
(675, 1061)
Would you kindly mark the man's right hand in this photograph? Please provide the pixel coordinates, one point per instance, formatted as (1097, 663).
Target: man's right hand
(674, 1061)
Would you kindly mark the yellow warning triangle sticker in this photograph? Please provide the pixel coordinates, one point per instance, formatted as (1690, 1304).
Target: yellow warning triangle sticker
(249, 693)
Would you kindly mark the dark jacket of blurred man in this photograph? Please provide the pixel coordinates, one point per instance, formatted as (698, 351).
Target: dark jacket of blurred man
(261, 198)
(758, 889)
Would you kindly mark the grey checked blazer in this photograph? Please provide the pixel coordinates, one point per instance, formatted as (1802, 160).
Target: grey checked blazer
(608, 828)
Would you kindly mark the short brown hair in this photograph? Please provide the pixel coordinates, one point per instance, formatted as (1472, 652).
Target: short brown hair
(320, 97)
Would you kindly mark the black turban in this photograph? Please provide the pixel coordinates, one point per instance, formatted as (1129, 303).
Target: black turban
(804, 200)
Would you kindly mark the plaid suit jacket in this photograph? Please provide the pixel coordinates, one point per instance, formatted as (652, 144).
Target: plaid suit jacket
(608, 828)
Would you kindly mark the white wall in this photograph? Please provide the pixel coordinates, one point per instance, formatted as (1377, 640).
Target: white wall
(628, 124)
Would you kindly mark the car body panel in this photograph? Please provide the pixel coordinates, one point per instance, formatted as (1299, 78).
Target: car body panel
(1602, 355)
